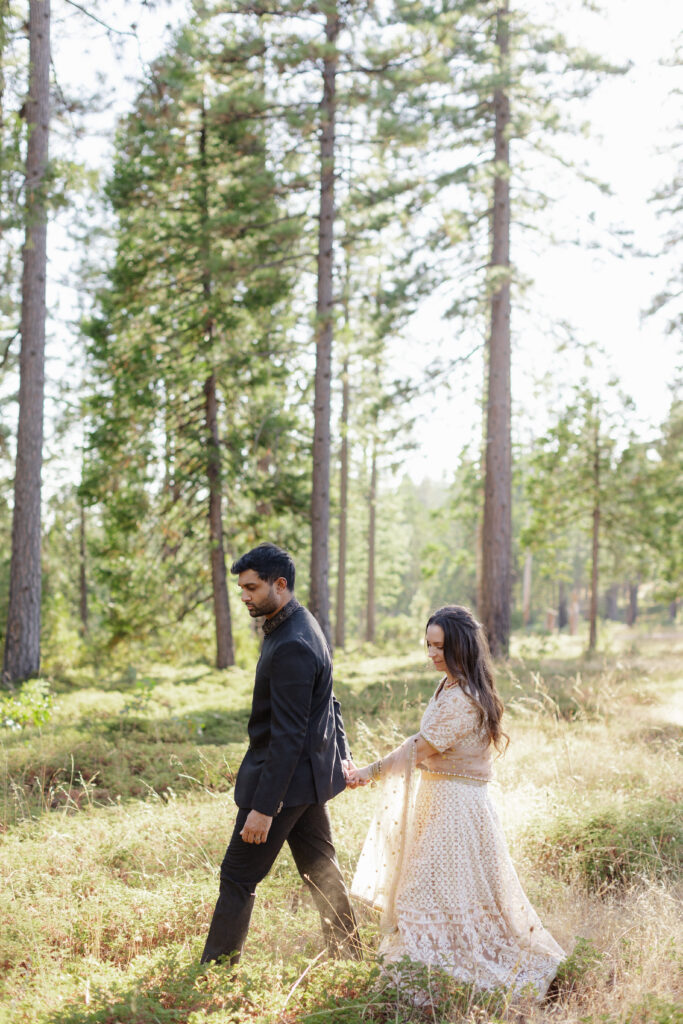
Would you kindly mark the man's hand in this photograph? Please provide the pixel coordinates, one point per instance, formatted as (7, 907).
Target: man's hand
(349, 770)
(359, 777)
(256, 827)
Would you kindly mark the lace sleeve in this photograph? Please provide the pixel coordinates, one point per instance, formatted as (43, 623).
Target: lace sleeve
(448, 720)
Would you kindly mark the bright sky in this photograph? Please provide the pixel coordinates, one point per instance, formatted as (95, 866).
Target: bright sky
(600, 294)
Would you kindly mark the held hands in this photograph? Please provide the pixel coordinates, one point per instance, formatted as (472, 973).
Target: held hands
(358, 777)
(256, 827)
(349, 769)
(350, 773)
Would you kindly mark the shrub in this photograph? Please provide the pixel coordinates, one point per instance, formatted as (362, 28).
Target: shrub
(616, 846)
(31, 706)
(653, 1010)
(583, 959)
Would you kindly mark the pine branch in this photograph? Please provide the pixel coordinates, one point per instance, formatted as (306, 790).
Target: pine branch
(8, 346)
(103, 24)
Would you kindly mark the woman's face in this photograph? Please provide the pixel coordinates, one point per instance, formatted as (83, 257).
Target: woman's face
(435, 641)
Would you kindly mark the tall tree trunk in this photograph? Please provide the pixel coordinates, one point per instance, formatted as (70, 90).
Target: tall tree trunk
(593, 628)
(22, 643)
(479, 566)
(497, 529)
(526, 588)
(574, 612)
(612, 603)
(319, 598)
(4, 13)
(372, 538)
(340, 622)
(82, 573)
(562, 611)
(171, 485)
(225, 652)
(632, 609)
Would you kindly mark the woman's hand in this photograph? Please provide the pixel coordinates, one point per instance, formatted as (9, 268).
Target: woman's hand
(358, 777)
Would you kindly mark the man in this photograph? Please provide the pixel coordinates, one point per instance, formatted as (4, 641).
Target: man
(297, 760)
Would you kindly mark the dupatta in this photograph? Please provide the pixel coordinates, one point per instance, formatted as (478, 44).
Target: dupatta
(379, 867)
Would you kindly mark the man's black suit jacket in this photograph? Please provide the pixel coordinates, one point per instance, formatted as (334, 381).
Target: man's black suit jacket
(296, 734)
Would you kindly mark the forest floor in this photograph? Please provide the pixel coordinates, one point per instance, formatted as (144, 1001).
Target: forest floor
(116, 811)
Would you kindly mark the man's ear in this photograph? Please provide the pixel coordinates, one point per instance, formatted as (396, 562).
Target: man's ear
(281, 583)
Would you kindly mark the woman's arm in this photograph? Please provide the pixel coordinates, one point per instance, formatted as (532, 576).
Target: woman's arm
(393, 762)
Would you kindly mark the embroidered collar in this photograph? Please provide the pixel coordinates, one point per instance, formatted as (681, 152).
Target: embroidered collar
(288, 609)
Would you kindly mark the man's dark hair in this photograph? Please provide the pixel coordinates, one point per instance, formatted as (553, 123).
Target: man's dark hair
(269, 562)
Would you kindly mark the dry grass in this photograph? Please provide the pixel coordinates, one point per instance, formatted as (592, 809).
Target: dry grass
(107, 891)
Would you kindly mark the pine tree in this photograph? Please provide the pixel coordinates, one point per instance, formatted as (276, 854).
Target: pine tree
(189, 335)
(346, 75)
(12, 174)
(508, 72)
(573, 480)
(669, 203)
(496, 536)
(22, 642)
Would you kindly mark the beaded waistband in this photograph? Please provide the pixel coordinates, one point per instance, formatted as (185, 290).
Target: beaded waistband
(469, 779)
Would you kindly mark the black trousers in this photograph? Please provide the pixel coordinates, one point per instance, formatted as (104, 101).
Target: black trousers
(308, 832)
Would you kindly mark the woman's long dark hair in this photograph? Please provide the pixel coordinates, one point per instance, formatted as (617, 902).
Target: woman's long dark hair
(466, 653)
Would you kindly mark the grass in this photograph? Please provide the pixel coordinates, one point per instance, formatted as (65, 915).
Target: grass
(115, 813)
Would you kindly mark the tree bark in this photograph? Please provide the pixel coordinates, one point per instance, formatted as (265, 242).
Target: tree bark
(4, 12)
(593, 627)
(319, 597)
(526, 588)
(82, 573)
(562, 612)
(370, 627)
(340, 622)
(225, 652)
(22, 643)
(574, 612)
(497, 528)
(611, 602)
(632, 609)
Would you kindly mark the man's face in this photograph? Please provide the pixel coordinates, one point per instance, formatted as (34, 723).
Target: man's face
(259, 596)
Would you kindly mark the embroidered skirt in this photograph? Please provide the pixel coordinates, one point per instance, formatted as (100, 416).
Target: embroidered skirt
(458, 903)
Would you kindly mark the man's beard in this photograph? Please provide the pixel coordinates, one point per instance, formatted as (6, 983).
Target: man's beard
(267, 607)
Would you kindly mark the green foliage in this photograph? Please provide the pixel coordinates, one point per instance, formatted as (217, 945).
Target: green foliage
(109, 924)
(31, 706)
(654, 1010)
(583, 960)
(135, 743)
(576, 486)
(540, 73)
(405, 991)
(197, 302)
(448, 554)
(616, 846)
(658, 468)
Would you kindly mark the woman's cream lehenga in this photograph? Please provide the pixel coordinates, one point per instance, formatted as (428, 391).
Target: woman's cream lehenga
(436, 863)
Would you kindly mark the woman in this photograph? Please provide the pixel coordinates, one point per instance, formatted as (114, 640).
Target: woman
(435, 860)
